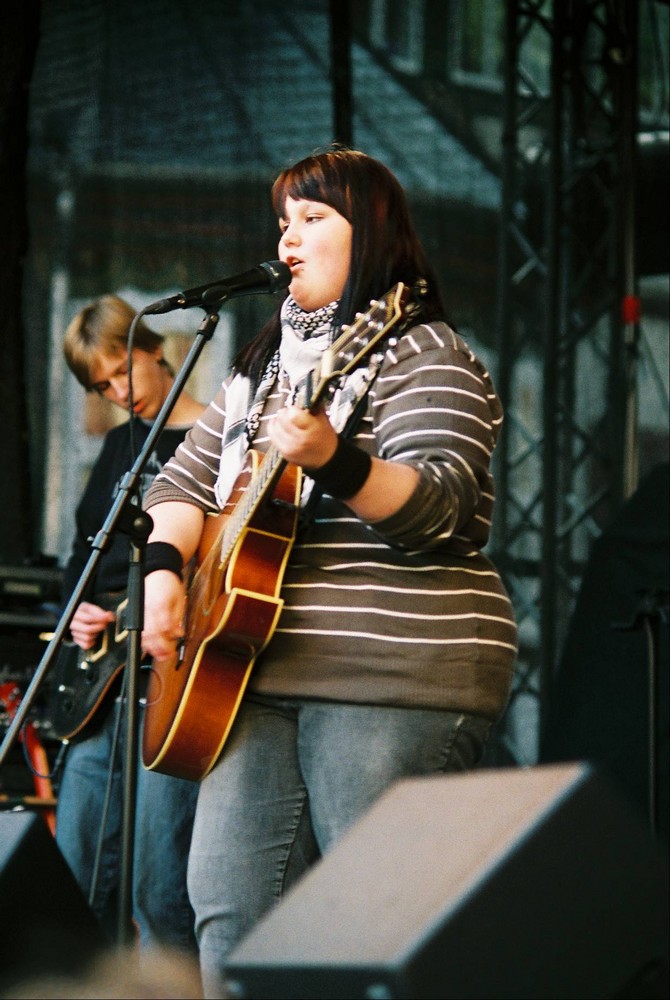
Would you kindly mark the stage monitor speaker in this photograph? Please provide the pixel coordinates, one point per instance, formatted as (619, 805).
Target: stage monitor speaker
(46, 925)
(532, 882)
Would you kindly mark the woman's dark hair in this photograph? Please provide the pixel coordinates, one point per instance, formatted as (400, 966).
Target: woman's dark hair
(385, 246)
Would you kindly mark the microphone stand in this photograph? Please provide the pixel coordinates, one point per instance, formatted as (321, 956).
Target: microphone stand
(124, 515)
(649, 614)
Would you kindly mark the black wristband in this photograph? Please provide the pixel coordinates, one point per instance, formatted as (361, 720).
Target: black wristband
(162, 555)
(343, 475)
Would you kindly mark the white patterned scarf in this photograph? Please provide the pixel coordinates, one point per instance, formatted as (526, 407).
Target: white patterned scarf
(304, 338)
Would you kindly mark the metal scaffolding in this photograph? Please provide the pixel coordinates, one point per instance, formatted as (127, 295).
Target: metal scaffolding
(568, 309)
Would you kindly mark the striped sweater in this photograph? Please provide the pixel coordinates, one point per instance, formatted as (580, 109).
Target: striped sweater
(406, 611)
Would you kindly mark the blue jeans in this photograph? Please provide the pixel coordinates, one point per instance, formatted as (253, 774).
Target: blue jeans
(293, 776)
(165, 807)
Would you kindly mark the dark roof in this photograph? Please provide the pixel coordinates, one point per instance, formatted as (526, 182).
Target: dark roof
(220, 88)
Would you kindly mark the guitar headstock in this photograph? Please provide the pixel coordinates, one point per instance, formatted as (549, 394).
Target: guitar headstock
(359, 338)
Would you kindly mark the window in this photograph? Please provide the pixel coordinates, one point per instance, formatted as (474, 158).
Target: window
(476, 43)
(396, 28)
(653, 63)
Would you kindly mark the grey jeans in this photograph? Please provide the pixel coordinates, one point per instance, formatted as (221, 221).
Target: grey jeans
(293, 776)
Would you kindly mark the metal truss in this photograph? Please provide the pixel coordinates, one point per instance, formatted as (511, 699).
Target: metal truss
(567, 331)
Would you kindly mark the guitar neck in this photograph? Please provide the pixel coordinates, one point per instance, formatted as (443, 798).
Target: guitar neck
(265, 479)
(261, 486)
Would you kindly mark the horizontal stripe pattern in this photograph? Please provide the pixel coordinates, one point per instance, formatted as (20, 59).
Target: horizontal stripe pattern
(410, 610)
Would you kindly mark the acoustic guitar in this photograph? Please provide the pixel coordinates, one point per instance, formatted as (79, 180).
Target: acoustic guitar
(233, 601)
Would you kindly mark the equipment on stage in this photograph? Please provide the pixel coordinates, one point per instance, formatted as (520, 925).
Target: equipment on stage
(29, 596)
(272, 276)
(46, 925)
(524, 882)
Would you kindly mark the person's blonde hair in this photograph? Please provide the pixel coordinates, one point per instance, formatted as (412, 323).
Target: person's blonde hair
(102, 328)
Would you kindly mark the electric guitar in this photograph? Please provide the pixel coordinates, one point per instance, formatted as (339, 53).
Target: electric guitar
(82, 678)
(232, 601)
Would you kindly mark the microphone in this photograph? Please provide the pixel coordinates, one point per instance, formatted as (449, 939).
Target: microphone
(272, 276)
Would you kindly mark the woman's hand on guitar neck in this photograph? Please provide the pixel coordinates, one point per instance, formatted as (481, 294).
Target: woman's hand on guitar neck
(302, 437)
(308, 439)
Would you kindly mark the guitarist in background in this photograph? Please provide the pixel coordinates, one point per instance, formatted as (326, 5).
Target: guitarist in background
(95, 348)
(394, 652)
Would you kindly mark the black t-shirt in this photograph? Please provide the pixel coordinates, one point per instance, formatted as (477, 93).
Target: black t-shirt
(114, 461)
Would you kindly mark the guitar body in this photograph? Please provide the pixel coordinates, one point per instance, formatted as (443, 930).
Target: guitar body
(232, 610)
(82, 678)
